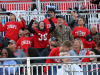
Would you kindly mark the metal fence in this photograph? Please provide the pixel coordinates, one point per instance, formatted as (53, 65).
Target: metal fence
(29, 67)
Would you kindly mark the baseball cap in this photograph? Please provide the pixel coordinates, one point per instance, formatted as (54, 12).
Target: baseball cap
(74, 10)
(11, 41)
(25, 28)
(53, 39)
(60, 16)
(98, 34)
(88, 38)
(51, 9)
(11, 12)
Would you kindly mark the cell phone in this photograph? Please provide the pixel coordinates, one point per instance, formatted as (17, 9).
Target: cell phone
(49, 15)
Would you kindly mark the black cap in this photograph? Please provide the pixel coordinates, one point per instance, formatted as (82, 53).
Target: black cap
(51, 9)
(88, 38)
(53, 39)
(60, 16)
(25, 28)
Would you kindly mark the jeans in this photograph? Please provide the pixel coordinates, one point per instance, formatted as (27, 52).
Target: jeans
(84, 70)
(54, 70)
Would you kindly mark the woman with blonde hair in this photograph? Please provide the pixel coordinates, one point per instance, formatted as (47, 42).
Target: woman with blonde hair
(78, 50)
(68, 69)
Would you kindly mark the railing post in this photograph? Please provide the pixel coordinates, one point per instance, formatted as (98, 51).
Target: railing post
(28, 66)
(85, 2)
(39, 8)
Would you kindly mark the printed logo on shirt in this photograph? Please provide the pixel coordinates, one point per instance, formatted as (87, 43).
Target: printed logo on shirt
(84, 33)
(11, 26)
(26, 42)
(49, 25)
(57, 60)
(16, 53)
(95, 69)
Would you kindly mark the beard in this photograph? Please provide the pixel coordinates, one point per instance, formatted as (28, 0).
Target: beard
(54, 45)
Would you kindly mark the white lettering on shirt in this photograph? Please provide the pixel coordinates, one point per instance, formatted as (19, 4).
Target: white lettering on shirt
(43, 37)
(11, 26)
(26, 42)
(84, 33)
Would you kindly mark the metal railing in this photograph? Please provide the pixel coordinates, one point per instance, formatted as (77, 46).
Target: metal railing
(29, 67)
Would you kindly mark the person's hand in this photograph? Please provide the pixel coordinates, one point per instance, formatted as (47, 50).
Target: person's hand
(34, 18)
(20, 16)
(48, 17)
(75, 18)
(81, 34)
(0, 19)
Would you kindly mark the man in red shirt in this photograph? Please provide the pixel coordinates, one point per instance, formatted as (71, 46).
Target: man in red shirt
(51, 11)
(12, 27)
(80, 31)
(26, 41)
(66, 46)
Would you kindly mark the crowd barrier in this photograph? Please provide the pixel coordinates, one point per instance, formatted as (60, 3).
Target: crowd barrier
(28, 68)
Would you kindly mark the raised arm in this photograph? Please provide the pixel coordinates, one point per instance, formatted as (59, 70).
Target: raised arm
(30, 26)
(52, 26)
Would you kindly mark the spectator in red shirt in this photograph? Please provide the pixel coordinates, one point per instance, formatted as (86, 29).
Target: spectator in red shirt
(88, 42)
(51, 11)
(80, 31)
(26, 41)
(41, 34)
(12, 27)
(66, 46)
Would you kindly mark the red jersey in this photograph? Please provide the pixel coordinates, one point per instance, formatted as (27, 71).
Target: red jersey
(24, 43)
(88, 44)
(84, 31)
(41, 38)
(54, 52)
(12, 29)
(47, 23)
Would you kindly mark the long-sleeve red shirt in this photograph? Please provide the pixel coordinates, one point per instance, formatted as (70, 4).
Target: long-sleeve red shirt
(47, 23)
(84, 31)
(54, 52)
(12, 29)
(25, 43)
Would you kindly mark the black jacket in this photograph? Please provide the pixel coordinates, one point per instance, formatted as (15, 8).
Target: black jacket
(2, 42)
(45, 53)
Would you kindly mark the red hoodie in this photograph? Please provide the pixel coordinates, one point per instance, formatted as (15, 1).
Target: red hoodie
(47, 23)
(54, 52)
(25, 43)
(12, 29)
(84, 31)
(88, 44)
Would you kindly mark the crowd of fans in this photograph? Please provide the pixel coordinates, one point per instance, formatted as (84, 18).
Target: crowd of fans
(50, 37)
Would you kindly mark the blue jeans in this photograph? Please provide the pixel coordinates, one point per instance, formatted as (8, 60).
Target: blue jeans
(54, 70)
(84, 70)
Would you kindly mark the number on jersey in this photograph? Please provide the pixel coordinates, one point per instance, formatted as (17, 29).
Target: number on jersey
(43, 36)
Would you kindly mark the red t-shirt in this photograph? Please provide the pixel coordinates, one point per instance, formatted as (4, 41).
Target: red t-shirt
(47, 23)
(12, 29)
(84, 31)
(41, 38)
(24, 43)
(88, 44)
(54, 52)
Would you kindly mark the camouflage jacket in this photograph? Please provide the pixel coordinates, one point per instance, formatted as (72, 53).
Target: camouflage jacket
(63, 33)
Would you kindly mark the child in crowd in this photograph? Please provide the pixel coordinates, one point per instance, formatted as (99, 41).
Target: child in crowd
(26, 41)
(12, 27)
(41, 34)
(68, 69)
(80, 31)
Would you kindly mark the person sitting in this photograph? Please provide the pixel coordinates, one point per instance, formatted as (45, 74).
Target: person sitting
(53, 44)
(41, 34)
(94, 67)
(68, 69)
(32, 52)
(80, 31)
(93, 30)
(6, 53)
(78, 51)
(88, 42)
